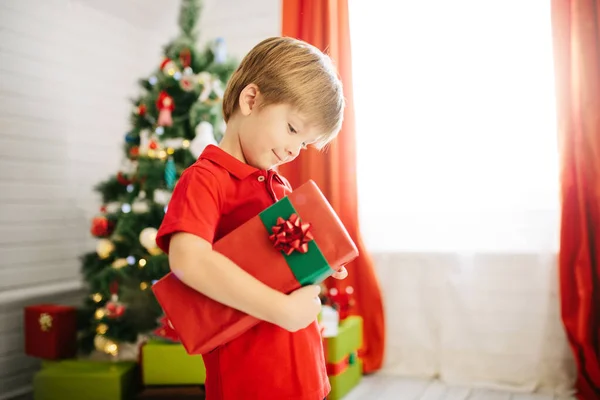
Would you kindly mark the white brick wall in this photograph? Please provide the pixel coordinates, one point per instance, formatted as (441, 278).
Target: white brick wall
(67, 69)
(241, 23)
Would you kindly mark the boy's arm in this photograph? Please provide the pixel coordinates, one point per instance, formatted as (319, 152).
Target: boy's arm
(195, 263)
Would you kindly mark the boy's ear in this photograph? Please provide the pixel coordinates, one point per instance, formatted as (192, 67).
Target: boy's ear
(248, 99)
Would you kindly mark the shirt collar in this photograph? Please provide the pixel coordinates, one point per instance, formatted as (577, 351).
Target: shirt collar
(234, 166)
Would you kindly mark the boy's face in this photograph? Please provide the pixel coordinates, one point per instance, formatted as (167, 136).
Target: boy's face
(272, 135)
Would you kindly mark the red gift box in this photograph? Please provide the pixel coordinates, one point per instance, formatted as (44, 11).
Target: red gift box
(50, 331)
(278, 248)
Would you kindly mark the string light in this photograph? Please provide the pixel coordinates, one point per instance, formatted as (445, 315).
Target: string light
(144, 285)
(102, 329)
(120, 263)
(142, 263)
(112, 349)
(100, 313)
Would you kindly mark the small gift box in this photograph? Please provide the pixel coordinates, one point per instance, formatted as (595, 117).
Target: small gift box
(50, 331)
(297, 241)
(86, 380)
(165, 363)
(344, 367)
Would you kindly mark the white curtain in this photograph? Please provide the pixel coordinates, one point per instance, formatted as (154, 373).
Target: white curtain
(458, 187)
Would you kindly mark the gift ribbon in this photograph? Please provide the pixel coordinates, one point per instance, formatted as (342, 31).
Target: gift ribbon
(341, 366)
(291, 235)
(309, 266)
(336, 368)
(45, 322)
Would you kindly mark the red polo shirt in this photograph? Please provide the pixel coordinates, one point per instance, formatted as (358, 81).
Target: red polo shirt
(213, 197)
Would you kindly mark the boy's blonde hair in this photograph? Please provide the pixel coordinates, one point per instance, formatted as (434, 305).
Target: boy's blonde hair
(290, 71)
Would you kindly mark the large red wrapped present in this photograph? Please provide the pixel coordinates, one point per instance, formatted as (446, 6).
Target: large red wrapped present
(295, 242)
(50, 331)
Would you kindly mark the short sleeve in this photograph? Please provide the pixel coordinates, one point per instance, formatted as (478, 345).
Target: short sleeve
(195, 207)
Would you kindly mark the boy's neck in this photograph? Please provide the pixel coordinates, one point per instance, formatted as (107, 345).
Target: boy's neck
(231, 143)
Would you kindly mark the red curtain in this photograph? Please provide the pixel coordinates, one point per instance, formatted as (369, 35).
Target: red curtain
(577, 64)
(324, 24)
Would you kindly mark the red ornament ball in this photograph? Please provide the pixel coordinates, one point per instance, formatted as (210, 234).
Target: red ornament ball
(100, 227)
(114, 310)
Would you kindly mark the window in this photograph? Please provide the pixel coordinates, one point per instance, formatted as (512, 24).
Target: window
(456, 127)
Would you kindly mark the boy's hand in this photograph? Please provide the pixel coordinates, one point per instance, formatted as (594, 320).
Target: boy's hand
(341, 273)
(301, 308)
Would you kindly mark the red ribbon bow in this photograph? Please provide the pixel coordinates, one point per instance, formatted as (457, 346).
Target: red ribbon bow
(291, 235)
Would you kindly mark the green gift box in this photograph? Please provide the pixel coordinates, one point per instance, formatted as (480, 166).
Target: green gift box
(343, 383)
(347, 341)
(165, 363)
(85, 380)
(344, 368)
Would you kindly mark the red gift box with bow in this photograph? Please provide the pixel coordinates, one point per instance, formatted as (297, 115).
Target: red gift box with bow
(50, 331)
(296, 242)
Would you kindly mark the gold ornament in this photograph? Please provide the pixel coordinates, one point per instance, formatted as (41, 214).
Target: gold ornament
(144, 285)
(99, 342)
(45, 322)
(100, 313)
(97, 297)
(170, 151)
(104, 248)
(102, 329)
(148, 237)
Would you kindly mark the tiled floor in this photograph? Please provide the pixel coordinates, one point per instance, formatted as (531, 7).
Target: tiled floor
(381, 387)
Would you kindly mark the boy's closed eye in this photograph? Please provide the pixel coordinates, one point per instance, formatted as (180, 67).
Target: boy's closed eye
(293, 131)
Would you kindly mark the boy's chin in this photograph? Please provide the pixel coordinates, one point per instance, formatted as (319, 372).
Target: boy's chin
(262, 165)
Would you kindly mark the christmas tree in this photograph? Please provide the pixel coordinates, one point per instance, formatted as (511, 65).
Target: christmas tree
(177, 114)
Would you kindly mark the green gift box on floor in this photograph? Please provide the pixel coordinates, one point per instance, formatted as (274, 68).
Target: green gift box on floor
(165, 363)
(347, 341)
(343, 383)
(85, 380)
(341, 354)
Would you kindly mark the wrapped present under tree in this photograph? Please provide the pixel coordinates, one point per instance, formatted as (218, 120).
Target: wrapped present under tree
(50, 331)
(166, 363)
(86, 380)
(344, 366)
(299, 238)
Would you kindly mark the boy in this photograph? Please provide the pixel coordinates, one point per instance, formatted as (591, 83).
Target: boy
(283, 97)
